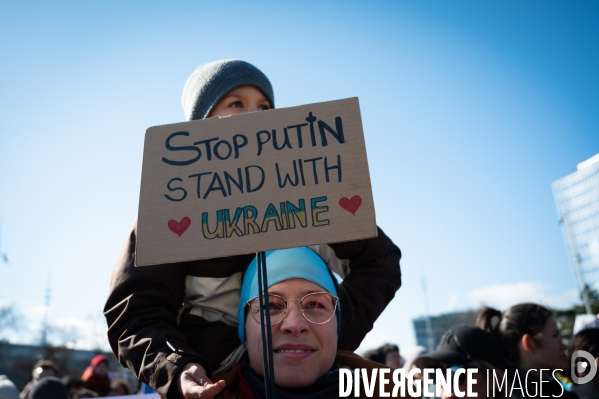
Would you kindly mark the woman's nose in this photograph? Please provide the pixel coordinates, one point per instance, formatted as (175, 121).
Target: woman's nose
(294, 321)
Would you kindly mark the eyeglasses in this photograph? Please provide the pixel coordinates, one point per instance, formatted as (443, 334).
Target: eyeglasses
(316, 307)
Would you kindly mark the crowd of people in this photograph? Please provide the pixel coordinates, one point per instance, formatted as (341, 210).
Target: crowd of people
(518, 353)
(196, 329)
(47, 383)
(510, 349)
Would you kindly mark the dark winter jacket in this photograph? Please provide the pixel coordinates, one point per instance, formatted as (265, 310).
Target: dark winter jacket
(193, 306)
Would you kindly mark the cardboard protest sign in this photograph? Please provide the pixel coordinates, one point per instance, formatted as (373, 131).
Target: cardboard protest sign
(254, 182)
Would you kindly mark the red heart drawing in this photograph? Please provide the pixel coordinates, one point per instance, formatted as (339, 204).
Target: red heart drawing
(179, 227)
(351, 205)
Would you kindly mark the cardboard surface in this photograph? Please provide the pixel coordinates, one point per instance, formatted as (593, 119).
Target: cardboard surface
(254, 182)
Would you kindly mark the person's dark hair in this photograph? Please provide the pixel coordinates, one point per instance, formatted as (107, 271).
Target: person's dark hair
(86, 393)
(512, 324)
(374, 355)
(72, 381)
(121, 383)
(586, 340)
(49, 388)
(388, 348)
(462, 344)
(45, 365)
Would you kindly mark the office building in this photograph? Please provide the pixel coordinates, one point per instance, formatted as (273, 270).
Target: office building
(577, 201)
(438, 325)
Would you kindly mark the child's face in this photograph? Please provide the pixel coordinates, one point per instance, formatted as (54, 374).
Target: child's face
(240, 100)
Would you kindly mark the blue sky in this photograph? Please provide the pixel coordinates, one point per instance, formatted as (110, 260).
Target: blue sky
(470, 110)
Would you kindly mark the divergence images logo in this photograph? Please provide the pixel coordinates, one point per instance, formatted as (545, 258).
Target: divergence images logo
(579, 367)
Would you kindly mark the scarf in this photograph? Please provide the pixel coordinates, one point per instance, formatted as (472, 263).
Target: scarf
(325, 387)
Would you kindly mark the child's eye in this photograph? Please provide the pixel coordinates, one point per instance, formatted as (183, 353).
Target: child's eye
(264, 107)
(236, 104)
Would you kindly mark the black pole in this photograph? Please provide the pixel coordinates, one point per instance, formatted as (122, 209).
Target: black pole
(269, 329)
(264, 307)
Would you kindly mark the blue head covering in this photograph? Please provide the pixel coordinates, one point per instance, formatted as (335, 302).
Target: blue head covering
(281, 265)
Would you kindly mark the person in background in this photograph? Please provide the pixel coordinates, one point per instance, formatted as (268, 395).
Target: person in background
(412, 355)
(49, 388)
(469, 348)
(586, 340)
(387, 354)
(74, 384)
(583, 321)
(374, 355)
(119, 387)
(43, 368)
(531, 340)
(8, 389)
(95, 376)
(86, 393)
(393, 358)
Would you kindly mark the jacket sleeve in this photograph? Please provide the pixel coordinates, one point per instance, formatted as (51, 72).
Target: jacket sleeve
(374, 277)
(141, 312)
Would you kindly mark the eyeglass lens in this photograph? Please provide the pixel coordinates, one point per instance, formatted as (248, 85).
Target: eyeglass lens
(317, 308)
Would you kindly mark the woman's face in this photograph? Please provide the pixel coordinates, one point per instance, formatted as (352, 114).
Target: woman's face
(101, 369)
(393, 359)
(549, 351)
(239, 101)
(303, 352)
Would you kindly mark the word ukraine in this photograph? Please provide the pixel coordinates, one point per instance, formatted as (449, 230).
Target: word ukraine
(245, 219)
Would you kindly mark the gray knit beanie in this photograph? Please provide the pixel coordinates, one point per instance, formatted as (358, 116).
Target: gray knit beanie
(210, 82)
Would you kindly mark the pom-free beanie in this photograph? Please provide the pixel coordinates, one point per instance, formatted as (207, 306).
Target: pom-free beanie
(49, 388)
(281, 265)
(210, 82)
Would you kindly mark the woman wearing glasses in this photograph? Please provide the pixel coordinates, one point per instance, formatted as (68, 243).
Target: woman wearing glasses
(305, 319)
